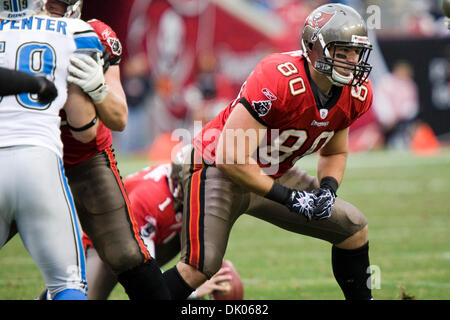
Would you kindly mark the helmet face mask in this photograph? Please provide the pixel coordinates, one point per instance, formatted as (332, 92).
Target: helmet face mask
(359, 71)
(73, 8)
(330, 27)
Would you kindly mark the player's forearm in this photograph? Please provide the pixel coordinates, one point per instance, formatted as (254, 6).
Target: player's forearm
(250, 176)
(332, 165)
(15, 82)
(81, 115)
(239, 140)
(333, 157)
(113, 110)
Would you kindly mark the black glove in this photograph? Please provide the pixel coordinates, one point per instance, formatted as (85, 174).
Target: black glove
(325, 197)
(314, 205)
(324, 202)
(47, 91)
(303, 203)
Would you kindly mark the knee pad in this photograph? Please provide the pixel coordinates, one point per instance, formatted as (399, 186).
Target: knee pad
(359, 221)
(351, 218)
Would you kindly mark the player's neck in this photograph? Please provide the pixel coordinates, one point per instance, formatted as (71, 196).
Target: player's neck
(321, 81)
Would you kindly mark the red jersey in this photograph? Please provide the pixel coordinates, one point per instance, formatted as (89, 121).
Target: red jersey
(279, 95)
(74, 151)
(152, 205)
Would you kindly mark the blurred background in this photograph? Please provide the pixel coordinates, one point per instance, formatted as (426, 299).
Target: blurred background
(184, 60)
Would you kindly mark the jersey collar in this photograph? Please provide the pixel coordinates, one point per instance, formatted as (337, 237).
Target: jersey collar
(333, 96)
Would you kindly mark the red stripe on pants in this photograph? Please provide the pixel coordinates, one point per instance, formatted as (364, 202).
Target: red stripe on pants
(194, 219)
(142, 246)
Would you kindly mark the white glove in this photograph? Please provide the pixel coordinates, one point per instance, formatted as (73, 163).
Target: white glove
(87, 73)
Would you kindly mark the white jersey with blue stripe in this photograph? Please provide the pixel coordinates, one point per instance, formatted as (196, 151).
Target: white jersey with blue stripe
(40, 45)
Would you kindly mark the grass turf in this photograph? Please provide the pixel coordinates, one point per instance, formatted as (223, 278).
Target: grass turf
(404, 197)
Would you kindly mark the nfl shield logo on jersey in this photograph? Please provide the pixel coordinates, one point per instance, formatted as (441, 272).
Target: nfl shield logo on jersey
(323, 113)
(262, 107)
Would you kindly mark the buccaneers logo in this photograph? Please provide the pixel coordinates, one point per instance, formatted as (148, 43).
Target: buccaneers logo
(262, 107)
(115, 45)
(319, 19)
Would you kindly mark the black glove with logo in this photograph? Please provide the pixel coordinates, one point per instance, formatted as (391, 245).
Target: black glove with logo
(303, 203)
(314, 205)
(325, 197)
(324, 202)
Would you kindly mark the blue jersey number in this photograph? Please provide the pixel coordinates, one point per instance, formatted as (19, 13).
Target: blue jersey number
(38, 59)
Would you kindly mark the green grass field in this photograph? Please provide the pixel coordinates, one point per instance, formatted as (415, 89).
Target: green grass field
(405, 198)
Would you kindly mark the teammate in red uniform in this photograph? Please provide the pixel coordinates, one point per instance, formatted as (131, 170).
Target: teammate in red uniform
(156, 202)
(100, 198)
(299, 102)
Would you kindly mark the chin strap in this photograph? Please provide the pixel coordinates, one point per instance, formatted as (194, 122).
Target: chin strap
(336, 78)
(339, 80)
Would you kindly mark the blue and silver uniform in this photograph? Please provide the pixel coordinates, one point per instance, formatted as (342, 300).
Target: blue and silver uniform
(34, 191)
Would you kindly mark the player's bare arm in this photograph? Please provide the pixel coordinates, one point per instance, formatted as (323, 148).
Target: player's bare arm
(237, 162)
(105, 90)
(333, 157)
(81, 115)
(113, 110)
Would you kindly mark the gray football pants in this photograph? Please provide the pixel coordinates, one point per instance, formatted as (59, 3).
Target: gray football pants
(213, 203)
(35, 194)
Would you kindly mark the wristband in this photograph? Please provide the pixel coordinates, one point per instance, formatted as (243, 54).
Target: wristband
(99, 94)
(90, 124)
(329, 183)
(278, 193)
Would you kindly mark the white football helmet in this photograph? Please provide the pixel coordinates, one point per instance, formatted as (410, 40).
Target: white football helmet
(18, 9)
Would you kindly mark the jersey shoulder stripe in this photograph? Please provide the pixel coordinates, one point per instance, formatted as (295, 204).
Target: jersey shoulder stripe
(84, 35)
(87, 41)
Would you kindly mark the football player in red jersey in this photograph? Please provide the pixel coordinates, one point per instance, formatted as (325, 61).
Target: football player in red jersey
(159, 218)
(102, 204)
(300, 103)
